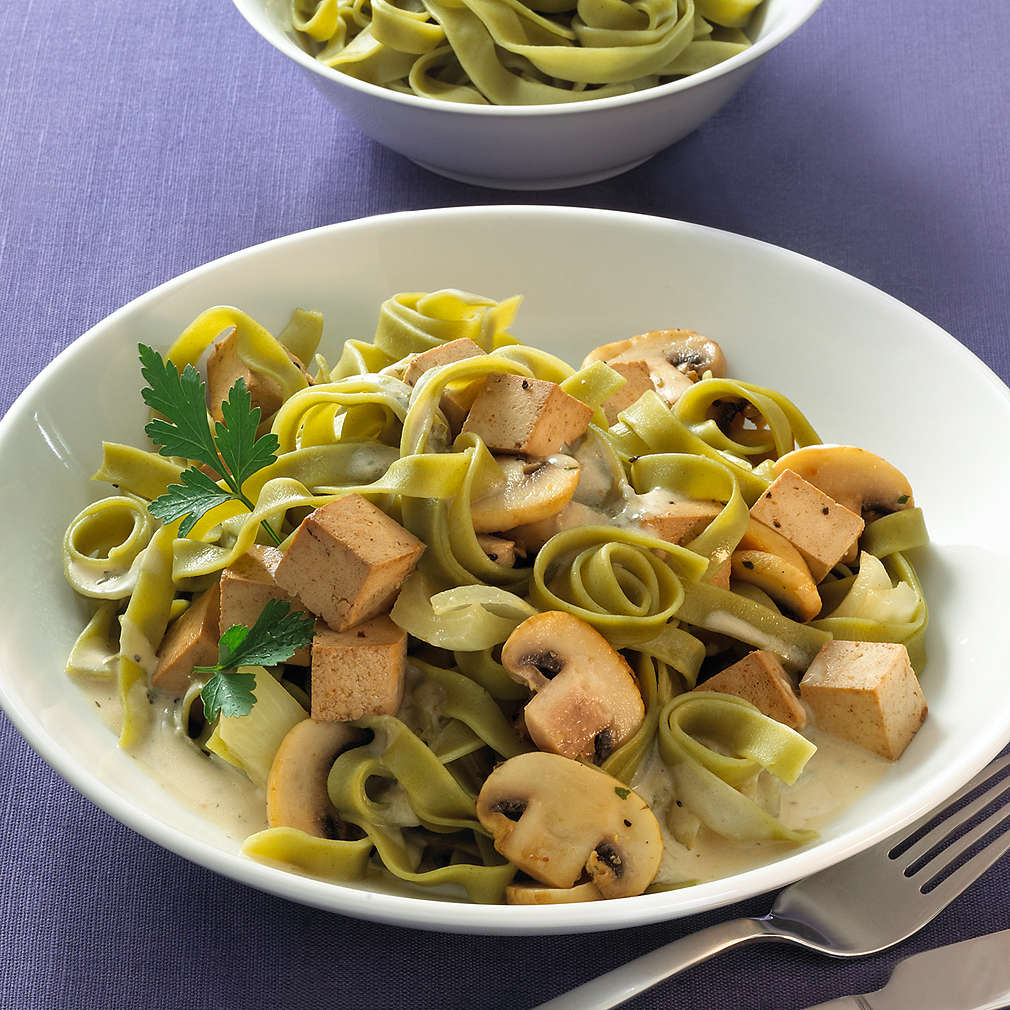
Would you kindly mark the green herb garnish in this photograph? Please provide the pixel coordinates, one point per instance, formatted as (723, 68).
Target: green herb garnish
(232, 450)
(903, 499)
(275, 637)
(622, 792)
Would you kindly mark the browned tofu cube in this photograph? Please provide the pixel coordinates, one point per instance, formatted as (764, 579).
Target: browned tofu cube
(639, 382)
(246, 587)
(444, 354)
(720, 577)
(866, 692)
(357, 672)
(680, 522)
(760, 679)
(529, 416)
(457, 398)
(191, 640)
(817, 526)
(225, 368)
(347, 560)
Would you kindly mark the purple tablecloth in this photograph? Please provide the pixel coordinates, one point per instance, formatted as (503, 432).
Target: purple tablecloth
(139, 140)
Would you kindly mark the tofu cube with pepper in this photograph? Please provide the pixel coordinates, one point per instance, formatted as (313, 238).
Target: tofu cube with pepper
(760, 679)
(357, 672)
(247, 585)
(680, 521)
(639, 381)
(347, 561)
(191, 641)
(528, 416)
(817, 526)
(867, 693)
(457, 398)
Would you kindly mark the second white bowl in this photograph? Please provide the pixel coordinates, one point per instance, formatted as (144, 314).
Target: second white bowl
(534, 146)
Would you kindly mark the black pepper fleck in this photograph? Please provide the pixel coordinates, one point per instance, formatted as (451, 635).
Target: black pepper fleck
(825, 511)
(749, 565)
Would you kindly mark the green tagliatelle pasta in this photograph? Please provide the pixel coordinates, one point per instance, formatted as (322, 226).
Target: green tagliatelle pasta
(505, 52)
(401, 793)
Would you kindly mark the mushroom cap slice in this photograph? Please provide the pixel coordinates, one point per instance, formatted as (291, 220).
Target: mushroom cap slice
(587, 701)
(296, 786)
(537, 894)
(856, 478)
(529, 491)
(766, 559)
(676, 359)
(556, 819)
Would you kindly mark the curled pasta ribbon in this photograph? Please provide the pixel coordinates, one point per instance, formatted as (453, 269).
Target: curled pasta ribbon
(712, 406)
(747, 620)
(137, 471)
(257, 347)
(506, 53)
(225, 533)
(861, 624)
(649, 426)
(744, 742)
(437, 801)
(142, 627)
(367, 407)
(470, 619)
(700, 479)
(414, 322)
(613, 579)
(103, 545)
(96, 650)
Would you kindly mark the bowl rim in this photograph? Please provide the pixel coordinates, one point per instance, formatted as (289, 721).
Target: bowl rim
(466, 917)
(255, 15)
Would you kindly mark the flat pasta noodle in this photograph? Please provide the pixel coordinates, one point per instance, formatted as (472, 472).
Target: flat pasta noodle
(505, 52)
(409, 790)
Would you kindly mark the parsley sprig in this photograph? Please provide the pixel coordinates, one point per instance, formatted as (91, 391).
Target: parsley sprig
(275, 637)
(232, 449)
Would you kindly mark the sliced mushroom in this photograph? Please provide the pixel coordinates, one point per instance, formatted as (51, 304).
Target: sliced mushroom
(556, 819)
(856, 478)
(767, 560)
(587, 701)
(536, 894)
(499, 550)
(675, 358)
(528, 492)
(296, 786)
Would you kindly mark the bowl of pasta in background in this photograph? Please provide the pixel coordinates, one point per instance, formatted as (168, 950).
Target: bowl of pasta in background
(587, 277)
(532, 146)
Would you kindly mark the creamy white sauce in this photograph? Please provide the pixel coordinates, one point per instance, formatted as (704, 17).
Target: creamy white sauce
(638, 506)
(204, 783)
(837, 775)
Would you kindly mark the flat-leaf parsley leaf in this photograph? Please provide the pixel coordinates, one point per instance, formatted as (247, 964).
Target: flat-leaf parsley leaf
(233, 450)
(275, 637)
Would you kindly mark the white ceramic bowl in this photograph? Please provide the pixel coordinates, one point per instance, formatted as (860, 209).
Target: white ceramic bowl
(865, 368)
(538, 146)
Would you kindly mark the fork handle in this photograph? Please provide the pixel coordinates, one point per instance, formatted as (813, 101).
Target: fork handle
(646, 971)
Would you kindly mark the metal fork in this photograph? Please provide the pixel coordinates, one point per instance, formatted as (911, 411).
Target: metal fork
(860, 906)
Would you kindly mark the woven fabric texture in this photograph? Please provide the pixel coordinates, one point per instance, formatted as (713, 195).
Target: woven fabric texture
(138, 141)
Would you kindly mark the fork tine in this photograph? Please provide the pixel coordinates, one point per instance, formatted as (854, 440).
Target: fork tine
(986, 774)
(944, 857)
(954, 820)
(965, 875)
